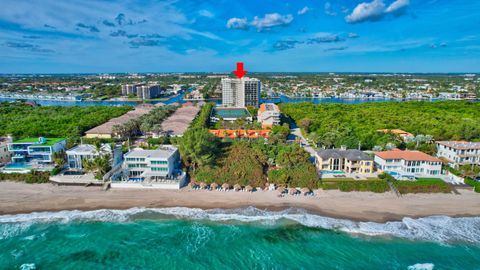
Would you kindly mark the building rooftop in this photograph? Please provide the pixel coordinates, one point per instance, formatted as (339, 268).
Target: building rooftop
(268, 107)
(406, 155)
(89, 149)
(177, 123)
(460, 144)
(350, 154)
(398, 132)
(164, 152)
(39, 141)
(230, 113)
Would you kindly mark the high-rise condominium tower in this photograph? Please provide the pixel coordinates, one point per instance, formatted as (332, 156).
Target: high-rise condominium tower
(239, 93)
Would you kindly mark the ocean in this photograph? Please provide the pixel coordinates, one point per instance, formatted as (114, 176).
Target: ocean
(246, 238)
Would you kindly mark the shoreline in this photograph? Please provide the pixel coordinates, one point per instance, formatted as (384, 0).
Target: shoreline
(21, 198)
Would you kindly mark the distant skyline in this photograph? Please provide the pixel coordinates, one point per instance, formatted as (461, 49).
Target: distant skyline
(425, 36)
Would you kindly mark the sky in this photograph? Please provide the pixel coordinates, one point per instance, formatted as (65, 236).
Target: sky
(82, 36)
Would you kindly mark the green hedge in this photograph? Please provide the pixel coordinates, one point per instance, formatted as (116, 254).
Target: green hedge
(422, 186)
(475, 184)
(377, 186)
(33, 177)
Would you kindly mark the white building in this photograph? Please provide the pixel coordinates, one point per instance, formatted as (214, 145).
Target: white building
(148, 91)
(269, 115)
(81, 152)
(408, 164)
(459, 153)
(239, 93)
(157, 168)
(130, 89)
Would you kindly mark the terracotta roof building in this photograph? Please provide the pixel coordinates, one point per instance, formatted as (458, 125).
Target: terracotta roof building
(408, 164)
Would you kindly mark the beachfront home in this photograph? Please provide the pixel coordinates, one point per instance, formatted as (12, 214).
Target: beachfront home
(81, 152)
(343, 160)
(408, 164)
(458, 153)
(157, 168)
(33, 153)
(268, 115)
(5, 155)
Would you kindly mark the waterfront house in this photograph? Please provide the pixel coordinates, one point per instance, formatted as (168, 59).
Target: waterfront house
(458, 153)
(159, 168)
(34, 153)
(79, 153)
(343, 160)
(408, 164)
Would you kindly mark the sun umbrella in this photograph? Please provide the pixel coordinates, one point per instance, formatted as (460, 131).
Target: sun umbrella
(226, 186)
(213, 186)
(237, 187)
(249, 188)
(306, 191)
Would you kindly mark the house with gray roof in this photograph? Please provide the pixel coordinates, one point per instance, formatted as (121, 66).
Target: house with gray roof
(343, 160)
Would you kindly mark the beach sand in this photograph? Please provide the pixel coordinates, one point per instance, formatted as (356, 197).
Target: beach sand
(362, 206)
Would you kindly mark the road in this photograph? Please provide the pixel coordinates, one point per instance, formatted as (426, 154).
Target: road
(298, 133)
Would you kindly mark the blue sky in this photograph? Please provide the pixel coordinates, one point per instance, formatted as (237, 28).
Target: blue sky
(54, 36)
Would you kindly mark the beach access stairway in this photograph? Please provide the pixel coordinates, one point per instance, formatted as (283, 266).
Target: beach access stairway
(394, 189)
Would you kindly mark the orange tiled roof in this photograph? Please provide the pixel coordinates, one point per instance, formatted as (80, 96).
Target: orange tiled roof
(239, 133)
(398, 132)
(406, 155)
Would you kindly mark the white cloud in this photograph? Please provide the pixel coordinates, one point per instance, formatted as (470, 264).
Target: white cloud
(352, 35)
(376, 10)
(367, 12)
(237, 23)
(328, 9)
(397, 7)
(271, 20)
(206, 13)
(303, 10)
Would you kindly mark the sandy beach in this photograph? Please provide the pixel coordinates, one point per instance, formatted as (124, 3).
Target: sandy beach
(363, 206)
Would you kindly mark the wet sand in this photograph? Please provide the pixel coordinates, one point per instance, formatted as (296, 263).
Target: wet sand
(363, 206)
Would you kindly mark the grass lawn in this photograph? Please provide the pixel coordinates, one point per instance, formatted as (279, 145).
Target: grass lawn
(422, 185)
(338, 179)
(378, 186)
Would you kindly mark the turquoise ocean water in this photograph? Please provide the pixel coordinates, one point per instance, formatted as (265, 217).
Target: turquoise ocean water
(248, 238)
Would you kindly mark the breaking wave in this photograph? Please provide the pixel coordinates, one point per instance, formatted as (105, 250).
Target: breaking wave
(441, 229)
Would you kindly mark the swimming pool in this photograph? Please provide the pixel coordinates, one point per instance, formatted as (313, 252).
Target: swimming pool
(18, 166)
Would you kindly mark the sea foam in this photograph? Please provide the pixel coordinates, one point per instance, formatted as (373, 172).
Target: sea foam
(441, 229)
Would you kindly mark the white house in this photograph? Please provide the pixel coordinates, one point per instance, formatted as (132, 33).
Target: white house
(269, 115)
(157, 168)
(82, 152)
(459, 153)
(408, 164)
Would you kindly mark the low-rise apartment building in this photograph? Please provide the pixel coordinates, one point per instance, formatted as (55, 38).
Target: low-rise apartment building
(152, 168)
(268, 115)
(458, 153)
(344, 160)
(408, 164)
